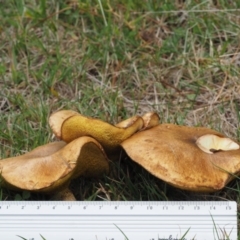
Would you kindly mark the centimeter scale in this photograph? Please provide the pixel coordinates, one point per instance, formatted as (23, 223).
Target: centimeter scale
(118, 220)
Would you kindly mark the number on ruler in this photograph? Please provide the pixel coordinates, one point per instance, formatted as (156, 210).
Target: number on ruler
(181, 208)
(149, 207)
(196, 208)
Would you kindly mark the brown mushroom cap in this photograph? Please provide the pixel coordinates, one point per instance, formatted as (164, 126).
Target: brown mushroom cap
(50, 167)
(170, 153)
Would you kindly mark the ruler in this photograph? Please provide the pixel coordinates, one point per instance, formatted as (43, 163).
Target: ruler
(118, 220)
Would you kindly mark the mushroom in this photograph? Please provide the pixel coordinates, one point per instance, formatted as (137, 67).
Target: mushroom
(185, 157)
(69, 125)
(50, 168)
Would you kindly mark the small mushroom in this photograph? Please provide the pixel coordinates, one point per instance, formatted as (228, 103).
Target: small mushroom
(175, 154)
(50, 168)
(69, 125)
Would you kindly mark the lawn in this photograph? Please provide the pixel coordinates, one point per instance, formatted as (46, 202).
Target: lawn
(111, 60)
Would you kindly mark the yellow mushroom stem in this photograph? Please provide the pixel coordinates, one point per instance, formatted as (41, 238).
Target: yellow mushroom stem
(211, 143)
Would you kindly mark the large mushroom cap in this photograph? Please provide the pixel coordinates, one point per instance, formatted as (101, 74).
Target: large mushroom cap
(170, 152)
(50, 167)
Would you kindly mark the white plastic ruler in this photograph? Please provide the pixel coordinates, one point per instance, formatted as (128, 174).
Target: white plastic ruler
(113, 220)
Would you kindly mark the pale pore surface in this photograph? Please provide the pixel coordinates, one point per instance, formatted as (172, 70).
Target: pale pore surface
(210, 143)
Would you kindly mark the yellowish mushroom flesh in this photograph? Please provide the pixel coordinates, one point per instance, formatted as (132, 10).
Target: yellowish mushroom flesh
(170, 153)
(69, 125)
(107, 135)
(46, 170)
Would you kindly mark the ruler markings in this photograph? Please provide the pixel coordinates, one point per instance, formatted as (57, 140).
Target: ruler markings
(141, 220)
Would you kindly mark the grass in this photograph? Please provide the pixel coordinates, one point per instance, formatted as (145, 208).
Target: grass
(111, 60)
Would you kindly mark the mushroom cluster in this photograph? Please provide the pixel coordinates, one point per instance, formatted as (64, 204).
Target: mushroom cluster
(190, 158)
